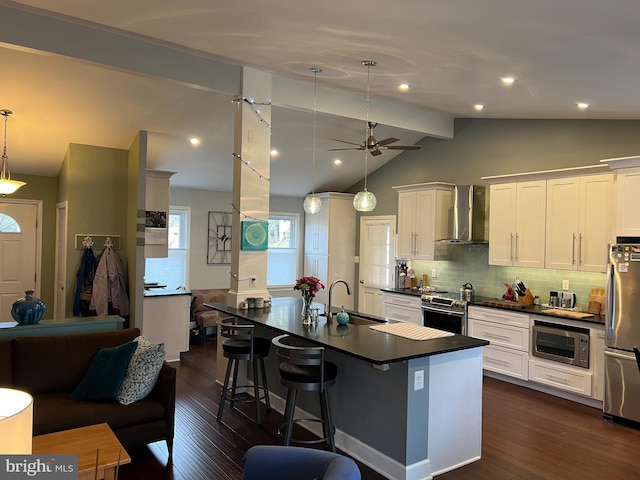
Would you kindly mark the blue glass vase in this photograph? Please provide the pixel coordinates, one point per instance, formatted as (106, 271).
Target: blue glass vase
(28, 310)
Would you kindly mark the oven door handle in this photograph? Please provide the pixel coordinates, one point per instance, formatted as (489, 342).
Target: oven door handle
(442, 310)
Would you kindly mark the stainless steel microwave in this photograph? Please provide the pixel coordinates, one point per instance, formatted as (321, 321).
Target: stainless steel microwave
(561, 343)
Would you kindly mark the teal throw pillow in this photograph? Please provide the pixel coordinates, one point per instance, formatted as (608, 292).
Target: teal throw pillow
(142, 373)
(105, 373)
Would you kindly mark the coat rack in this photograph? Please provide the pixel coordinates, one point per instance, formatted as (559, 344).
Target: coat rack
(99, 241)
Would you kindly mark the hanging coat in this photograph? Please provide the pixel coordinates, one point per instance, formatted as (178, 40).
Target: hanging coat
(84, 283)
(109, 285)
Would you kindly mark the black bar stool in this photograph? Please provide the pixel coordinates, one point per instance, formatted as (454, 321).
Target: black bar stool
(241, 345)
(305, 369)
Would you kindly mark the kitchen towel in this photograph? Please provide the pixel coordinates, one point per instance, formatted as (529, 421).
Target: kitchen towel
(411, 331)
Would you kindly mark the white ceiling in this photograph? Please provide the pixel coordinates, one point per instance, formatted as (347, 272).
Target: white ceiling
(452, 53)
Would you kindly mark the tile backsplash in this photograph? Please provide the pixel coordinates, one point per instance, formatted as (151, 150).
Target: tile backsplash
(470, 263)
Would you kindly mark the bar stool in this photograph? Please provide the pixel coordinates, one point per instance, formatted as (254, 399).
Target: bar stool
(242, 345)
(305, 369)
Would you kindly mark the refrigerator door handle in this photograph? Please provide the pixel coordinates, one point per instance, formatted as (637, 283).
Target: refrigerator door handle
(618, 354)
(609, 313)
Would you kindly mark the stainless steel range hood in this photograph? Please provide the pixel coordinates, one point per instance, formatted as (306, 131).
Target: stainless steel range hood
(467, 219)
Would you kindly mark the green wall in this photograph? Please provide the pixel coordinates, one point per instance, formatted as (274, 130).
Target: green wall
(46, 190)
(95, 183)
(497, 147)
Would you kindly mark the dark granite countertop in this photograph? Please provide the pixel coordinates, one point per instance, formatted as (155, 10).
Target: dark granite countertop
(538, 310)
(354, 340)
(410, 291)
(159, 292)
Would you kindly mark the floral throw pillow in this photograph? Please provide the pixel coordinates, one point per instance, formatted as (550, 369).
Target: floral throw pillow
(142, 373)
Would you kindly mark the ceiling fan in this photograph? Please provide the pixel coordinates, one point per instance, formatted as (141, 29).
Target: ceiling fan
(375, 146)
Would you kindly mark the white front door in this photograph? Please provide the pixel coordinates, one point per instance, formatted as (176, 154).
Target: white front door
(18, 253)
(377, 246)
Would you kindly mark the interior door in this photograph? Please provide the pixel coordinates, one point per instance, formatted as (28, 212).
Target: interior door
(18, 253)
(377, 244)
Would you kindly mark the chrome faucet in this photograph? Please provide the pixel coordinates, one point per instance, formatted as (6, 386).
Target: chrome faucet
(329, 314)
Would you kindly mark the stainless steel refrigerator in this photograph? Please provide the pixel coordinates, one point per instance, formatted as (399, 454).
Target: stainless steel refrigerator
(622, 333)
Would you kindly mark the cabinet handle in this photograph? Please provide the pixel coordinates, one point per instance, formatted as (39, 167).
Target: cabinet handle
(496, 336)
(511, 249)
(581, 259)
(553, 378)
(573, 250)
(497, 361)
(517, 246)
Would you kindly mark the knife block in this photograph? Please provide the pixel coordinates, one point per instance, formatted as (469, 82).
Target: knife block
(527, 299)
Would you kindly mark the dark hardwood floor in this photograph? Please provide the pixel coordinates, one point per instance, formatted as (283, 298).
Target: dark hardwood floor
(526, 435)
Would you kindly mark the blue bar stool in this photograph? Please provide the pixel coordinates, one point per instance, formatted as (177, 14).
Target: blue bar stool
(305, 369)
(242, 345)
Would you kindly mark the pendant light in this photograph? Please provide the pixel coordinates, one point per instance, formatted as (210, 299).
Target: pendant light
(365, 201)
(7, 186)
(313, 204)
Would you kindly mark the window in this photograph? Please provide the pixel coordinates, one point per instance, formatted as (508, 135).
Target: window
(8, 224)
(282, 255)
(173, 270)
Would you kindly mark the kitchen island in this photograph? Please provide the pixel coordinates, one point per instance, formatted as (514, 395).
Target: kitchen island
(385, 416)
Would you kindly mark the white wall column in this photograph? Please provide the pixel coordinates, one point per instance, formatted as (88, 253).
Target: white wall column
(251, 173)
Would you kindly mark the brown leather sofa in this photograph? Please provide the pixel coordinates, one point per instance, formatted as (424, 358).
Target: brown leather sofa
(49, 368)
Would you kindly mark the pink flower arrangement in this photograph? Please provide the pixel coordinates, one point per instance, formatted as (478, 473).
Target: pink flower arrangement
(308, 287)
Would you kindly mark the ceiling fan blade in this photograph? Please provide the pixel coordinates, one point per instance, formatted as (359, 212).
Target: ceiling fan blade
(402, 147)
(375, 152)
(341, 149)
(344, 141)
(387, 141)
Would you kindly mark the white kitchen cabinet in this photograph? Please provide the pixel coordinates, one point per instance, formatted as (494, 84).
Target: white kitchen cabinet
(628, 199)
(508, 334)
(166, 320)
(402, 307)
(330, 243)
(579, 222)
(554, 374)
(423, 218)
(517, 224)
(371, 302)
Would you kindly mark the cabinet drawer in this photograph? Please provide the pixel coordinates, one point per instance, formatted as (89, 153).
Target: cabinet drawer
(502, 335)
(506, 361)
(499, 316)
(412, 301)
(571, 379)
(404, 314)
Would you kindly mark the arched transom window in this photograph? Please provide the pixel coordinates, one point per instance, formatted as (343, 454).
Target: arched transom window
(8, 224)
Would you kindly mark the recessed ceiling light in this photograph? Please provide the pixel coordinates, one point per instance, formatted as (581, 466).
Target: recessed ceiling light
(478, 107)
(582, 105)
(508, 81)
(337, 161)
(195, 141)
(403, 86)
(274, 153)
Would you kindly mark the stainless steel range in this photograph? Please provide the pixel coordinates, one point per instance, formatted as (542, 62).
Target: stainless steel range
(444, 311)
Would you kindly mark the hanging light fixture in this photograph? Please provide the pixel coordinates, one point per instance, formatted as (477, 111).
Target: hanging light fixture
(365, 201)
(7, 186)
(313, 204)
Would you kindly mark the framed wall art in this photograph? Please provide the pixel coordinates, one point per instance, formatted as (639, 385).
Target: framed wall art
(254, 235)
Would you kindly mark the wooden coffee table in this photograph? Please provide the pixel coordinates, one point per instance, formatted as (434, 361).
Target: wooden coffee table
(84, 442)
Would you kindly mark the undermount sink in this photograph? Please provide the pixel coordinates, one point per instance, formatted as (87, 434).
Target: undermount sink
(358, 320)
